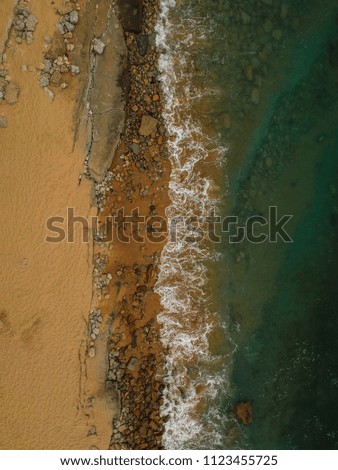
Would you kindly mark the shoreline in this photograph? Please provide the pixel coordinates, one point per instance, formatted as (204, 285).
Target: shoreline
(128, 341)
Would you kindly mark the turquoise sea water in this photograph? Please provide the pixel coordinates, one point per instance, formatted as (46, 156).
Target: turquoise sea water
(269, 74)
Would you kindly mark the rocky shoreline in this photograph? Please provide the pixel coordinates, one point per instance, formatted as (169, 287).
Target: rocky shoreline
(126, 272)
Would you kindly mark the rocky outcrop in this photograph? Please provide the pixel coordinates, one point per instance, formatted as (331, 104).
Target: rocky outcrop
(105, 97)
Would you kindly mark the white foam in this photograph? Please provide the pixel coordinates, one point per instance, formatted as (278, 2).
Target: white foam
(192, 373)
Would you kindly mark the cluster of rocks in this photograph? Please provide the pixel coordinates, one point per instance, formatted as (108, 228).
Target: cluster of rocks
(24, 24)
(100, 278)
(139, 166)
(138, 426)
(95, 322)
(9, 91)
(58, 66)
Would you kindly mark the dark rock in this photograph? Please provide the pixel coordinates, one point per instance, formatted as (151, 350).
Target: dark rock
(130, 14)
(142, 42)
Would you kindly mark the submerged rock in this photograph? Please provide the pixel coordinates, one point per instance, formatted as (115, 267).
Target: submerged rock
(243, 412)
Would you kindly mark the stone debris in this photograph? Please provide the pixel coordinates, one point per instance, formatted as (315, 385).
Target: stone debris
(24, 24)
(58, 66)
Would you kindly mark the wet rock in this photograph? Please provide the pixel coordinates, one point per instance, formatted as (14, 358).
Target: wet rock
(148, 125)
(3, 122)
(98, 46)
(12, 92)
(142, 42)
(130, 14)
(243, 412)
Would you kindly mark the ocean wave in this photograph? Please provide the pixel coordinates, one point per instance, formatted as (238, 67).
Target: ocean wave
(194, 376)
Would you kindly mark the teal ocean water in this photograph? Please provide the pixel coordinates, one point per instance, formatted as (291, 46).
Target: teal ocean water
(252, 110)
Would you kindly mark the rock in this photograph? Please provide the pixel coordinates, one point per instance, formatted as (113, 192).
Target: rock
(98, 46)
(267, 26)
(49, 93)
(47, 65)
(45, 80)
(130, 14)
(148, 125)
(268, 162)
(55, 79)
(245, 17)
(284, 11)
(92, 431)
(132, 364)
(135, 148)
(12, 93)
(255, 96)
(18, 40)
(31, 23)
(68, 26)
(91, 352)
(74, 69)
(243, 412)
(277, 34)
(3, 124)
(142, 42)
(73, 17)
(47, 39)
(29, 37)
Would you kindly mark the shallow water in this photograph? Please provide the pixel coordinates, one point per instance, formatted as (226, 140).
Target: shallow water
(260, 79)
